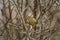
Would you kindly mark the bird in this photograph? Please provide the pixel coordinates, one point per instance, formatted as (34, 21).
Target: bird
(31, 21)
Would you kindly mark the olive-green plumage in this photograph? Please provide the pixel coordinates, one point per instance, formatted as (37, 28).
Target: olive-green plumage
(31, 20)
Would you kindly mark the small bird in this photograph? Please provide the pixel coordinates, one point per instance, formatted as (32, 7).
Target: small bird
(31, 21)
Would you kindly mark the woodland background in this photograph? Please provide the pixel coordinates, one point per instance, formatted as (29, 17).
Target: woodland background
(14, 12)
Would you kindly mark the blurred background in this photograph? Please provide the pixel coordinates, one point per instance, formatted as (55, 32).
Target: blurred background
(29, 19)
